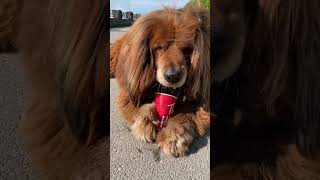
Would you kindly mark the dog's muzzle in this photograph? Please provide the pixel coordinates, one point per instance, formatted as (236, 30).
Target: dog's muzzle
(173, 76)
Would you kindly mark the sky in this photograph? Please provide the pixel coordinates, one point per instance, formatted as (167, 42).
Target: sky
(144, 6)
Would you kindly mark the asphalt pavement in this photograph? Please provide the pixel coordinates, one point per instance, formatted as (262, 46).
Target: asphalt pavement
(14, 164)
(115, 33)
(133, 159)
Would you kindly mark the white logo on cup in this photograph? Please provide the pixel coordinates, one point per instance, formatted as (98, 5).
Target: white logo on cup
(171, 108)
(163, 121)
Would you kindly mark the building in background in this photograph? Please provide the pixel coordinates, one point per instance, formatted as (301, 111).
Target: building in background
(111, 15)
(129, 15)
(117, 14)
(136, 16)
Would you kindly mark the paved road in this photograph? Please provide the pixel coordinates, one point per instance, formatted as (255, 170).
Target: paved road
(116, 33)
(131, 159)
(14, 165)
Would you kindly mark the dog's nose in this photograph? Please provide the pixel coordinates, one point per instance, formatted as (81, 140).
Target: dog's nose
(172, 76)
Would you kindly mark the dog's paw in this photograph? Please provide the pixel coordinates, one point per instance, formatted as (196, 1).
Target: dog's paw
(143, 127)
(175, 141)
(144, 130)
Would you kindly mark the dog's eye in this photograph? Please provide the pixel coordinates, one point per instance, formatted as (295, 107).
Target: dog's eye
(158, 48)
(187, 51)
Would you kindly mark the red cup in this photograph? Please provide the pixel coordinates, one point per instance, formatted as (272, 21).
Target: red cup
(164, 105)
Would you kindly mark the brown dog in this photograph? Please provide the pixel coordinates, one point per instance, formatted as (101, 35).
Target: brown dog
(64, 52)
(169, 47)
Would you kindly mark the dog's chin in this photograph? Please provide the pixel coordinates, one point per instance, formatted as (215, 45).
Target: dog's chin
(165, 83)
(169, 85)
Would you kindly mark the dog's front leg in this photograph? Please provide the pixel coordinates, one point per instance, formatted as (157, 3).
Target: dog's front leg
(142, 118)
(182, 128)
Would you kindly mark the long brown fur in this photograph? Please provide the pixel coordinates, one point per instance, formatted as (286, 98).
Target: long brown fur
(133, 55)
(277, 86)
(64, 52)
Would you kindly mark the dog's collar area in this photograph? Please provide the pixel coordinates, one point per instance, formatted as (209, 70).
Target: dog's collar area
(162, 89)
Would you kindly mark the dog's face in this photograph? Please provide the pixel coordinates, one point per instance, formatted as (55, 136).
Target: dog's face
(169, 47)
(172, 56)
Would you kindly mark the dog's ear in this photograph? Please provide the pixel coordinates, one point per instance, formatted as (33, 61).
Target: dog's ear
(79, 41)
(135, 65)
(199, 72)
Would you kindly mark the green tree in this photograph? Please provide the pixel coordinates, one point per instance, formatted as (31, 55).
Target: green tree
(204, 3)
